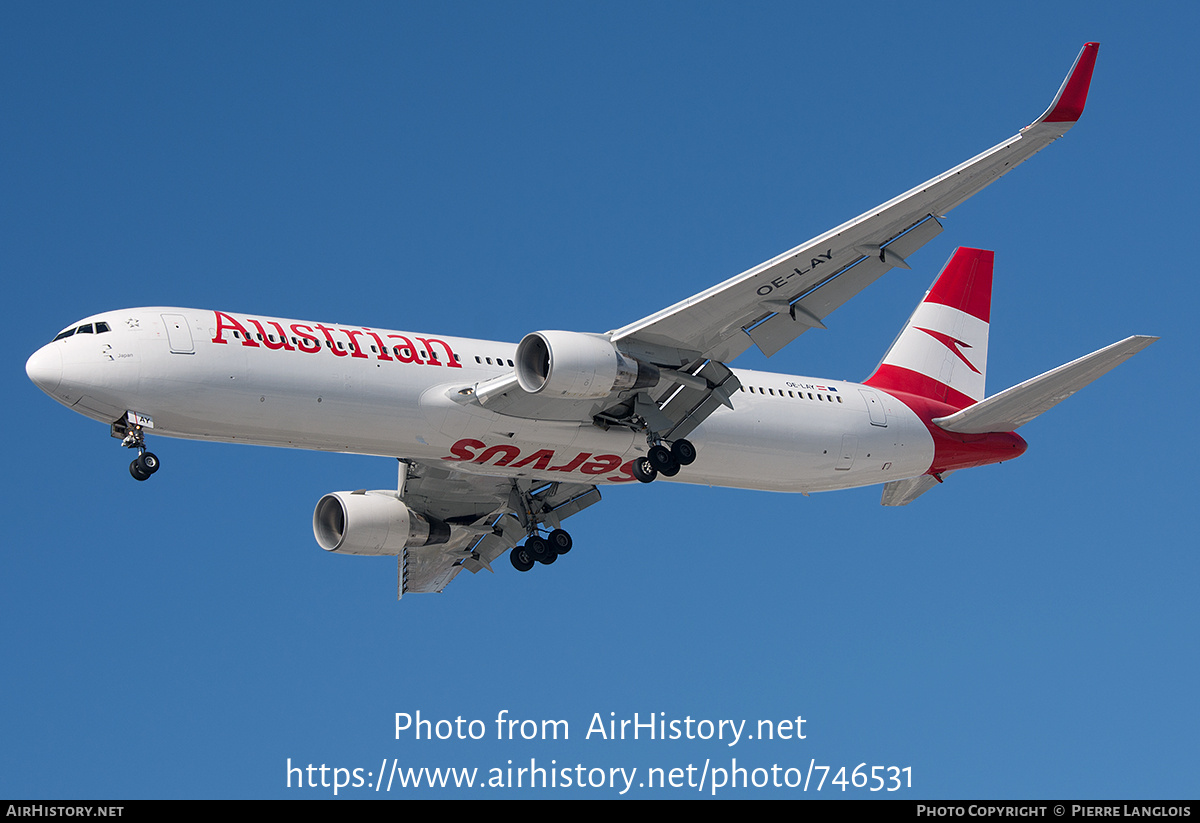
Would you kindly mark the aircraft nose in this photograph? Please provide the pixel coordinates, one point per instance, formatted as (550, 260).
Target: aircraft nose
(45, 368)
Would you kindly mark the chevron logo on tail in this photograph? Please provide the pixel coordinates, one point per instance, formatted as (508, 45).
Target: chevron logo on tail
(929, 358)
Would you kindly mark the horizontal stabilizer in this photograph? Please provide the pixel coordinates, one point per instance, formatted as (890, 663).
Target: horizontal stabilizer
(1012, 408)
(903, 492)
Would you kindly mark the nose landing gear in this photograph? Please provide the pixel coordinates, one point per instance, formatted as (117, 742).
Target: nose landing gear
(129, 429)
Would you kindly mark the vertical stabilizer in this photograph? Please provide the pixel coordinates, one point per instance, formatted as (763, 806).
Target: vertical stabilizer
(942, 351)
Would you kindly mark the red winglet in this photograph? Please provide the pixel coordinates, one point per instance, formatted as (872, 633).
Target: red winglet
(1068, 103)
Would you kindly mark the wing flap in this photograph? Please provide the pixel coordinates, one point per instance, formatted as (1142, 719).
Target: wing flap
(488, 516)
(688, 407)
(575, 501)
(491, 546)
(808, 308)
(427, 569)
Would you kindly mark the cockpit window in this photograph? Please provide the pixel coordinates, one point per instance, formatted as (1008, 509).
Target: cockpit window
(86, 328)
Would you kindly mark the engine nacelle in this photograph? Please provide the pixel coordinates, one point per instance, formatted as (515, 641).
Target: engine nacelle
(374, 523)
(578, 366)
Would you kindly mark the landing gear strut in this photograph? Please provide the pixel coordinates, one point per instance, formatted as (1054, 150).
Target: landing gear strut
(146, 463)
(663, 460)
(540, 511)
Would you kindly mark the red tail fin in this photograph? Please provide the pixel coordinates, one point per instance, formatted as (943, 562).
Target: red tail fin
(942, 351)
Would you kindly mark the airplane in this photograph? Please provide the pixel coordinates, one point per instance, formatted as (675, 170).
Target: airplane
(498, 444)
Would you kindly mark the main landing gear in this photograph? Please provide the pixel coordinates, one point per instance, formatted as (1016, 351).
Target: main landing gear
(538, 549)
(663, 460)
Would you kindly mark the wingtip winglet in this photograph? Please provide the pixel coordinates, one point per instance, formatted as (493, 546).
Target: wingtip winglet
(1068, 104)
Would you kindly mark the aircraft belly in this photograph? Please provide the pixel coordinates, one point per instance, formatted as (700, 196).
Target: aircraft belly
(344, 406)
(777, 444)
(478, 441)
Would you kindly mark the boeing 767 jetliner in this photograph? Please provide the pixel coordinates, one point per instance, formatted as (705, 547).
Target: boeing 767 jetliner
(498, 444)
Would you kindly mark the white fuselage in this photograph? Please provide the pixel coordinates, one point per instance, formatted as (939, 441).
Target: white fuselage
(208, 375)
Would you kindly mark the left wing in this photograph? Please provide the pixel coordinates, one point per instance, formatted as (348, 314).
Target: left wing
(487, 516)
(776, 301)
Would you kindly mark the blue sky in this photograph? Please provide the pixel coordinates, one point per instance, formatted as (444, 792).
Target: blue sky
(484, 170)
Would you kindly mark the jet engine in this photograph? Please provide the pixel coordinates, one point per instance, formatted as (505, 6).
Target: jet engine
(373, 523)
(578, 366)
